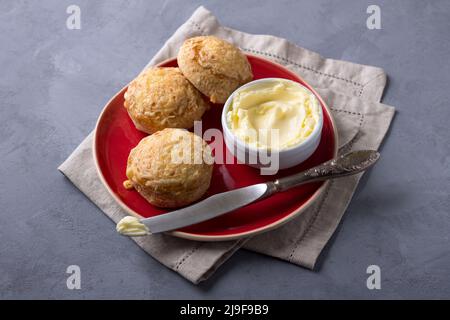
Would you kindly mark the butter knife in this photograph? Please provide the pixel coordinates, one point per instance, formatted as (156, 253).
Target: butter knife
(221, 203)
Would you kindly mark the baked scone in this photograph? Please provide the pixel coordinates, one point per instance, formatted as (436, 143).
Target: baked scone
(215, 67)
(170, 168)
(163, 98)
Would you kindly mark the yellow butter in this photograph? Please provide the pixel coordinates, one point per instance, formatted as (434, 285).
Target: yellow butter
(289, 108)
(131, 226)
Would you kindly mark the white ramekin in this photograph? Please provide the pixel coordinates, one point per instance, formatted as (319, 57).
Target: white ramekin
(288, 157)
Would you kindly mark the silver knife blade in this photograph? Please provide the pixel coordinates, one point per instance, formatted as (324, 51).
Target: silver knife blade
(209, 208)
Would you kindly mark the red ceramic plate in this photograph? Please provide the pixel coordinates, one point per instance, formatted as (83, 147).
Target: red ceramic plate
(116, 135)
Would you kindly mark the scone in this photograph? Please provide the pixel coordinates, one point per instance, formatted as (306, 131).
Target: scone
(215, 67)
(162, 98)
(170, 168)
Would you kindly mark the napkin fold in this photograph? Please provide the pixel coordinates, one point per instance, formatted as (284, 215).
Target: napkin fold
(352, 91)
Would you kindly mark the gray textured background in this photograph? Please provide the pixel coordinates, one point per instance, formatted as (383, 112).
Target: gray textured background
(54, 82)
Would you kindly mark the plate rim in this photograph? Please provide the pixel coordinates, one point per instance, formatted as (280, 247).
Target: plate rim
(234, 236)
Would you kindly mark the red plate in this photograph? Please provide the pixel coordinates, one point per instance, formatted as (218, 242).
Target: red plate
(115, 136)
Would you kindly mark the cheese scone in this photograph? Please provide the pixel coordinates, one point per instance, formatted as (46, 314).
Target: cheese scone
(162, 98)
(215, 67)
(170, 168)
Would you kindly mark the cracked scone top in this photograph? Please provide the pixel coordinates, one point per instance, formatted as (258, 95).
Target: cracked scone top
(170, 168)
(162, 98)
(215, 67)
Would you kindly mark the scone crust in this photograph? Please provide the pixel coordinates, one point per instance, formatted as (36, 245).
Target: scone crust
(162, 98)
(166, 182)
(214, 66)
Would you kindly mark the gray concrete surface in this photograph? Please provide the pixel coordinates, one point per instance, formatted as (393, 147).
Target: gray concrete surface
(54, 82)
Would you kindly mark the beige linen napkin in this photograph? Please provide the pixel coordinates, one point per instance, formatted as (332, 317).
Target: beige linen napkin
(352, 91)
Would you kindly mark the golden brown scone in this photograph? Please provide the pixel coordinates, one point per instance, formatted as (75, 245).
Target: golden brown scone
(171, 168)
(214, 66)
(163, 98)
